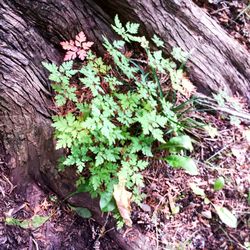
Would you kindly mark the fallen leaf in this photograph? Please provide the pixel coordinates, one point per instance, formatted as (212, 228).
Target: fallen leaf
(37, 220)
(226, 216)
(206, 201)
(207, 214)
(197, 190)
(240, 153)
(145, 207)
(212, 131)
(174, 209)
(246, 134)
(34, 222)
(123, 199)
(82, 211)
(188, 87)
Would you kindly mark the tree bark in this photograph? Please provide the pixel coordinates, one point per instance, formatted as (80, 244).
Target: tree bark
(30, 32)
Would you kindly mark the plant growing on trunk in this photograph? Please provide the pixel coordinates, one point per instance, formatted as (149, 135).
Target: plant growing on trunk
(113, 112)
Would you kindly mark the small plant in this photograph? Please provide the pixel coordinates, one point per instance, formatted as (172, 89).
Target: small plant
(34, 222)
(225, 215)
(113, 113)
(77, 48)
(219, 183)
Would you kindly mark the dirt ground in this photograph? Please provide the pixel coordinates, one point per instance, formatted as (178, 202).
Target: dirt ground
(232, 15)
(63, 229)
(172, 215)
(195, 224)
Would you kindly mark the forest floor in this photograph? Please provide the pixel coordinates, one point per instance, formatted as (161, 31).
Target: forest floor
(182, 219)
(232, 15)
(57, 227)
(171, 214)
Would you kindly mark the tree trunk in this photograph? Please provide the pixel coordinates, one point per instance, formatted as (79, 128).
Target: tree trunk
(30, 32)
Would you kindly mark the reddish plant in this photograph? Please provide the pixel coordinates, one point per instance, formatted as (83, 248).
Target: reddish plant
(77, 48)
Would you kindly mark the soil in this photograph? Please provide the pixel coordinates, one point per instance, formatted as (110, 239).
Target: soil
(176, 217)
(172, 215)
(63, 230)
(234, 16)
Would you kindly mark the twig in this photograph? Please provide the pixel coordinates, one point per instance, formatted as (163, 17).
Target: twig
(218, 152)
(208, 102)
(36, 245)
(232, 238)
(219, 10)
(103, 231)
(138, 60)
(222, 149)
(243, 12)
(11, 185)
(2, 191)
(155, 219)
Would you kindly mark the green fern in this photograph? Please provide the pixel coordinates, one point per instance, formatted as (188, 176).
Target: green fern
(110, 135)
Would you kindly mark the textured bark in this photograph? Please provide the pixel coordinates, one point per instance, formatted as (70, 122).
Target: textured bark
(24, 91)
(217, 61)
(30, 32)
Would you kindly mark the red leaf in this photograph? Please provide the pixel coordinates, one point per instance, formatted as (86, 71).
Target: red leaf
(70, 55)
(68, 45)
(79, 47)
(80, 38)
(87, 45)
(78, 44)
(82, 54)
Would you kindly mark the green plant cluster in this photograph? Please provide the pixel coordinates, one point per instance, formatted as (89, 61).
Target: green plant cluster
(112, 135)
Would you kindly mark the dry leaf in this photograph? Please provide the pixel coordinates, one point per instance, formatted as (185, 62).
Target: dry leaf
(184, 86)
(174, 208)
(240, 153)
(212, 131)
(237, 103)
(246, 134)
(187, 87)
(123, 199)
